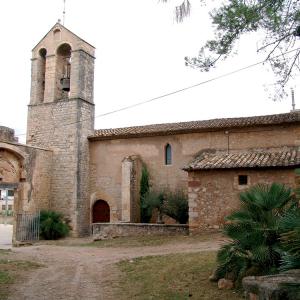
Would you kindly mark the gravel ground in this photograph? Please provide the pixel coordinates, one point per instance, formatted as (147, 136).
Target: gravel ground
(84, 272)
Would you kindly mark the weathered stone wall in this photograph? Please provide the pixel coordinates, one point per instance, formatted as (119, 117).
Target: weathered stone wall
(7, 134)
(108, 230)
(213, 194)
(63, 127)
(61, 120)
(29, 170)
(107, 156)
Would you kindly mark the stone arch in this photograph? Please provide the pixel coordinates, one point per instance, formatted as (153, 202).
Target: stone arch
(63, 70)
(12, 162)
(41, 71)
(101, 212)
(110, 201)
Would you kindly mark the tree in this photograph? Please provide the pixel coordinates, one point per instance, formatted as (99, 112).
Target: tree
(254, 231)
(278, 19)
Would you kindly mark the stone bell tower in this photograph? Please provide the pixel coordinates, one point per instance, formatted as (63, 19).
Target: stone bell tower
(61, 116)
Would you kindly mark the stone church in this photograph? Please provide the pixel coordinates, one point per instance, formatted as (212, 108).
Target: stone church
(93, 175)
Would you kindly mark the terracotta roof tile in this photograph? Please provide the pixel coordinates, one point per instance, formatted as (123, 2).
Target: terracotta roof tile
(194, 126)
(261, 159)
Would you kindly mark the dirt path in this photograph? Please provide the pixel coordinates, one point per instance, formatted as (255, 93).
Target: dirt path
(84, 272)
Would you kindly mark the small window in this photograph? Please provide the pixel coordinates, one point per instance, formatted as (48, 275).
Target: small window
(10, 193)
(243, 179)
(168, 154)
(3, 207)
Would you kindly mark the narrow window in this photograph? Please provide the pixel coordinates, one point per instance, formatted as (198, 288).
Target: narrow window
(10, 193)
(168, 154)
(243, 179)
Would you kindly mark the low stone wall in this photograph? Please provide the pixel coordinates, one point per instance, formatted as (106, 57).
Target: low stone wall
(283, 286)
(112, 230)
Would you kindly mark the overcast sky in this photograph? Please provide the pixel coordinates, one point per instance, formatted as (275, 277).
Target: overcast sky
(140, 54)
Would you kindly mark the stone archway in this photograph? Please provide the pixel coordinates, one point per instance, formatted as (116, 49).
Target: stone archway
(101, 212)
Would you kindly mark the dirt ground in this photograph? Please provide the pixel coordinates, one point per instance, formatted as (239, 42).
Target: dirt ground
(74, 272)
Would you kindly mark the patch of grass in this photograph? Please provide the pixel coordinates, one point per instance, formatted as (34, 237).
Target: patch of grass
(10, 270)
(151, 240)
(5, 277)
(4, 252)
(171, 277)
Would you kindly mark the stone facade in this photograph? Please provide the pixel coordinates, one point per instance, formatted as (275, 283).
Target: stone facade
(61, 120)
(27, 170)
(213, 194)
(107, 154)
(68, 166)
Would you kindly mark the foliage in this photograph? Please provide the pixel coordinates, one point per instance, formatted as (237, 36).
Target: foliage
(176, 206)
(152, 200)
(279, 20)
(255, 233)
(146, 210)
(145, 186)
(52, 225)
(290, 240)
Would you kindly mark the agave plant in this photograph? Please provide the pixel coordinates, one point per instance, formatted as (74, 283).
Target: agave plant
(254, 231)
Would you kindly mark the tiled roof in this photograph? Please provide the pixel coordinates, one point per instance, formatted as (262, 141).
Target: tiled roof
(261, 159)
(194, 126)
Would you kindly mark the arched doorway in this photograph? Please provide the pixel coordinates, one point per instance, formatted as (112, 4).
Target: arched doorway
(101, 212)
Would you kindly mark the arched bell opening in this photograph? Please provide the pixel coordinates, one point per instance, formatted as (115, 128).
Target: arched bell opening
(101, 212)
(63, 71)
(42, 74)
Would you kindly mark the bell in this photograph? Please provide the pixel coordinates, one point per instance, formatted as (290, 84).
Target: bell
(65, 84)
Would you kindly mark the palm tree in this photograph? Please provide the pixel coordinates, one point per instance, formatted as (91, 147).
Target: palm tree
(254, 231)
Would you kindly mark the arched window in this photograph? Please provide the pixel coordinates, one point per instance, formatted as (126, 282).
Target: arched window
(168, 154)
(63, 71)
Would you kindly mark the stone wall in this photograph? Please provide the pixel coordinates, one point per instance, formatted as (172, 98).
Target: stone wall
(63, 127)
(7, 134)
(109, 230)
(29, 170)
(106, 156)
(213, 194)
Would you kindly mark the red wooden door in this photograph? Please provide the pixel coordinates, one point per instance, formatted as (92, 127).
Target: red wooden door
(101, 212)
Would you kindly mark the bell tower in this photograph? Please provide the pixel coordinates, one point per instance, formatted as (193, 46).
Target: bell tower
(61, 117)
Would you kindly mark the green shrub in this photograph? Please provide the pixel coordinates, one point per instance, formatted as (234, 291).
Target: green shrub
(146, 211)
(52, 225)
(176, 206)
(254, 231)
(152, 200)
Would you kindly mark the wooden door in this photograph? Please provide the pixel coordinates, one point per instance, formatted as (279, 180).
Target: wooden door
(101, 212)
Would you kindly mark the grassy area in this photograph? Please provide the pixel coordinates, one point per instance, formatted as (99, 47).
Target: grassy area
(151, 240)
(10, 270)
(171, 277)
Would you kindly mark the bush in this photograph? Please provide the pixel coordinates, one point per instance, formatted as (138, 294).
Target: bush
(152, 200)
(255, 230)
(52, 225)
(176, 206)
(146, 211)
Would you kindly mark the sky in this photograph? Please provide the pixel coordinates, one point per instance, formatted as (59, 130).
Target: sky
(140, 52)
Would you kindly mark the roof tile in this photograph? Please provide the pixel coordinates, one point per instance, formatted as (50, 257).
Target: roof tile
(194, 126)
(261, 159)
